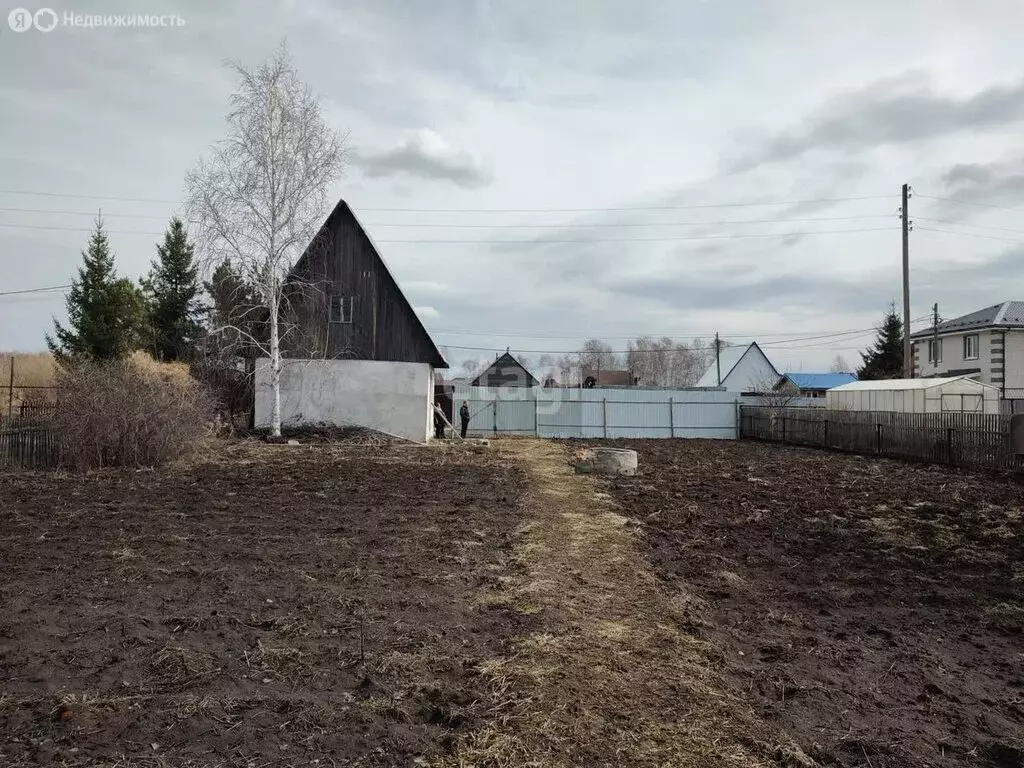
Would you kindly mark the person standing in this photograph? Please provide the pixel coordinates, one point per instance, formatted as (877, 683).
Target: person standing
(464, 416)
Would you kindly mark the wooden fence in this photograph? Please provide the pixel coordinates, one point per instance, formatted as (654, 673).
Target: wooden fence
(25, 441)
(962, 439)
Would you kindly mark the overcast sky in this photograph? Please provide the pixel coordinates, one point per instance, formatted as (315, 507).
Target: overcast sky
(524, 108)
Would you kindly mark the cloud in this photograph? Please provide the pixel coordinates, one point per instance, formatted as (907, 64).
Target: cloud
(427, 313)
(426, 155)
(899, 110)
(986, 182)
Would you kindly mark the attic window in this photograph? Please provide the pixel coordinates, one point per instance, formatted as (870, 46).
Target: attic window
(341, 309)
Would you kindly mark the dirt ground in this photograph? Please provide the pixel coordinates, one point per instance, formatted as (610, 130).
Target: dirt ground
(277, 606)
(871, 609)
(737, 605)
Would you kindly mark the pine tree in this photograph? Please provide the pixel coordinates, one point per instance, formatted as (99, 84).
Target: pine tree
(172, 291)
(105, 312)
(238, 317)
(884, 360)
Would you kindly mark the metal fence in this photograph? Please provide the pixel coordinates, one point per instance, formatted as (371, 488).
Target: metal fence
(608, 412)
(963, 439)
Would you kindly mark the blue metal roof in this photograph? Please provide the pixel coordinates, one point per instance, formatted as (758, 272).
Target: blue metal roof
(820, 380)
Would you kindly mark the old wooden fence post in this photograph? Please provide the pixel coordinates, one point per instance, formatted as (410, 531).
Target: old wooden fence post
(949, 445)
(825, 440)
(536, 406)
(783, 429)
(604, 415)
(10, 392)
(878, 438)
(494, 415)
(671, 419)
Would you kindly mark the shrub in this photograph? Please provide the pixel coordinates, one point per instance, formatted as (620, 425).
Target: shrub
(132, 413)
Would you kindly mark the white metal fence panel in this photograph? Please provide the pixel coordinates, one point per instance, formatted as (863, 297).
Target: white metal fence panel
(599, 413)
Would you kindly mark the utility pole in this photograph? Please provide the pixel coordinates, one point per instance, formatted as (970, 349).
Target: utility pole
(908, 360)
(935, 335)
(718, 360)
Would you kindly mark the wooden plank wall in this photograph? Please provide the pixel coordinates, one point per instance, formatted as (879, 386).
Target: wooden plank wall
(26, 444)
(960, 439)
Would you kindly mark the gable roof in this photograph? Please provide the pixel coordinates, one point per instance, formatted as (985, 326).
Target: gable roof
(820, 380)
(500, 368)
(878, 384)
(728, 359)
(341, 209)
(1008, 314)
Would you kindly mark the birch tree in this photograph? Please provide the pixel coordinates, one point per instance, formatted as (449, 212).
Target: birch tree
(260, 195)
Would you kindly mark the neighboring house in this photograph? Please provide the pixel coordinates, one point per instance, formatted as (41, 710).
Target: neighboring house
(604, 377)
(987, 345)
(743, 369)
(505, 371)
(356, 352)
(814, 384)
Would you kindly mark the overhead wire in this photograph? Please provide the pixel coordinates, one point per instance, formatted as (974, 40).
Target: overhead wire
(694, 206)
(968, 202)
(506, 241)
(518, 225)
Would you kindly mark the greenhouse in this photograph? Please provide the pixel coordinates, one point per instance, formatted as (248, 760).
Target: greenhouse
(958, 394)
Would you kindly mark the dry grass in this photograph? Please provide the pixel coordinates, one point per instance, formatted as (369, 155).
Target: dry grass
(35, 369)
(1007, 617)
(615, 677)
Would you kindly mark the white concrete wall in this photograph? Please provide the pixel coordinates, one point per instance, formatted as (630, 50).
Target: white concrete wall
(753, 373)
(391, 397)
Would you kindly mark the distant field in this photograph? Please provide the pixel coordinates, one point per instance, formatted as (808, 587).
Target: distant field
(32, 369)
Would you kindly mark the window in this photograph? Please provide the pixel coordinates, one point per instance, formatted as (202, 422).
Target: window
(971, 346)
(935, 350)
(341, 309)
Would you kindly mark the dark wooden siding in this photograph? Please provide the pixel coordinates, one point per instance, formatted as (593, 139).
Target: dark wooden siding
(341, 261)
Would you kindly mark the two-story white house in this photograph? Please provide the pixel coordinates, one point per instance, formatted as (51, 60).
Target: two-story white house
(987, 345)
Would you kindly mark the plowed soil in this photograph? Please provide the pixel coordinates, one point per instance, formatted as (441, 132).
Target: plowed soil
(871, 609)
(295, 606)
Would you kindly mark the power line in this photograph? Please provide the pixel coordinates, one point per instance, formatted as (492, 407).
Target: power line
(969, 234)
(765, 203)
(666, 238)
(971, 202)
(605, 337)
(632, 208)
(35, 290)
(87, 197)
(967, 224)
(58, 212)
(423, 225)
(777, 345)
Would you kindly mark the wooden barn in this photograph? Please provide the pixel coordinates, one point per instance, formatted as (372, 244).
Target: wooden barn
(346, 304)
(356, 353)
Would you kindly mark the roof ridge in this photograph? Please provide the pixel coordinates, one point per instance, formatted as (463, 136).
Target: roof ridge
(1001, 313)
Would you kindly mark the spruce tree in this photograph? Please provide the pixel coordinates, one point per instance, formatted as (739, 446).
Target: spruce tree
(105, 312)
(884, 360)
(172, 294)
(238, 315)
